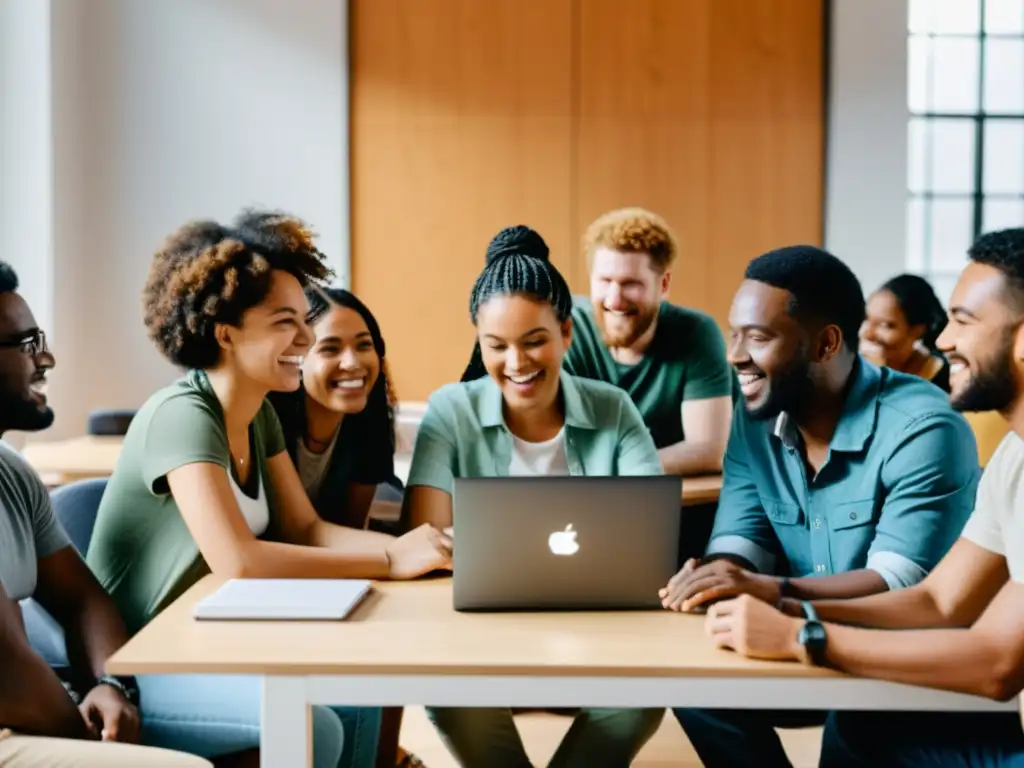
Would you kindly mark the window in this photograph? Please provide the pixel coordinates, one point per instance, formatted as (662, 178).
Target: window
(965, 135)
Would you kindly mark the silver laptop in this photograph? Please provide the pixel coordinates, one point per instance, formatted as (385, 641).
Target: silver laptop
(564, 542)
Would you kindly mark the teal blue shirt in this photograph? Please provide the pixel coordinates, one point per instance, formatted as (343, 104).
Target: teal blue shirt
(463, 434)
(895, 490)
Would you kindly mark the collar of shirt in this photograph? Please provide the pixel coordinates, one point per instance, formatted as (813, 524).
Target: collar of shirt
(857, 421)
(578, 413)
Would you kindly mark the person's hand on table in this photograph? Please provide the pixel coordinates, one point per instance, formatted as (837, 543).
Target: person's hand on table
(421, 550)
(697, 584)
(754, 629)
(109, 715)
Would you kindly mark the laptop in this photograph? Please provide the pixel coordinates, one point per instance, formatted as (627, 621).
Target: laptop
(283, 600)
(564, 542)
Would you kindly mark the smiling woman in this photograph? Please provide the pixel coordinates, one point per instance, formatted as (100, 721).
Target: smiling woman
(526, 416)
(204, 482)
(339, 426)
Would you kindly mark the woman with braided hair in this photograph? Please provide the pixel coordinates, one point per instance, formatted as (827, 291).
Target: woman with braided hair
(902, 324)
(204, 482)
(526, 417)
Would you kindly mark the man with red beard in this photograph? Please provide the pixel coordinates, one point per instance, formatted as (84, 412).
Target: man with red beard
(670, 359)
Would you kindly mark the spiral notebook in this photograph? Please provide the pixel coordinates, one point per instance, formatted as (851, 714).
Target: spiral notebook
(283, 600)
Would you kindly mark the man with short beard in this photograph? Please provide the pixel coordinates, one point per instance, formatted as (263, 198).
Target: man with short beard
(841, 479)
(962, 628)
(40, 724)
(669, 359)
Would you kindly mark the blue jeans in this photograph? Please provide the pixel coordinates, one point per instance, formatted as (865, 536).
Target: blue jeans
(922, 740)
(215, 715)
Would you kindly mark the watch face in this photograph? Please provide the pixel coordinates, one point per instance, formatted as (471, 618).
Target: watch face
(812, 637)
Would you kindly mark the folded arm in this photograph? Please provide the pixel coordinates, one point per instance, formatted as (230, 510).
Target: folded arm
(706, 426)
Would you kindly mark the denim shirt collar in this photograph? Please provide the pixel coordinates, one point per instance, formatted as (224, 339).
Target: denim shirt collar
(859, 416)
(578, 413)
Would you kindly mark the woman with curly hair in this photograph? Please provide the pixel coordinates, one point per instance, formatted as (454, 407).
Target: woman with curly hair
(205, 484)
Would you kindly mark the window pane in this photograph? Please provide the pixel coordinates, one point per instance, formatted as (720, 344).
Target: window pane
(915, 257)
(1004, 16)
(951, 230)
(953, 75)
(917, 74)
(1004, 156)
(1004, 75)
(917, 154)
(944, 16)
(1002, 214)
(952, 154)
(943, 286)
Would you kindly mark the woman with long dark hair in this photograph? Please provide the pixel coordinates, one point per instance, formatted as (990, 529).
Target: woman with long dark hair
(902, 323)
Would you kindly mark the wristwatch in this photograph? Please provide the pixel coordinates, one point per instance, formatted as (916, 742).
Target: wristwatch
(126, 685)
(812, 635)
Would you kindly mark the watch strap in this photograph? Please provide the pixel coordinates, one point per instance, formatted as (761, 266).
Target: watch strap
(126, 685)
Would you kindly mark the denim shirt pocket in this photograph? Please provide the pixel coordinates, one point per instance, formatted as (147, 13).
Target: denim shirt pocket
(782, 512)
(852, 514)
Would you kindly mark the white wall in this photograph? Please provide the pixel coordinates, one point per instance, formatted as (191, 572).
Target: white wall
(163, 112)
(121, 119)
(866, 186)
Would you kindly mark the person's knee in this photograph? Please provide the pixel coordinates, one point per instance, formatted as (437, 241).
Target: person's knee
(328, 738)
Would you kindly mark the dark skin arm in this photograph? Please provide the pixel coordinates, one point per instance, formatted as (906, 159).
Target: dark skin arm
(699, 584)
(32, 699)
(93, 630)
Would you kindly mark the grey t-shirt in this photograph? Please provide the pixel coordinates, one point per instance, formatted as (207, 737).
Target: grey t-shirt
(28, 528)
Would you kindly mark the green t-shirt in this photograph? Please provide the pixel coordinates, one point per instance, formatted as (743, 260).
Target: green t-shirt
(141, 550)
(685, 361)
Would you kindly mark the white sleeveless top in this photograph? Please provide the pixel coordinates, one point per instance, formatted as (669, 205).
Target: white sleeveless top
(255, 511)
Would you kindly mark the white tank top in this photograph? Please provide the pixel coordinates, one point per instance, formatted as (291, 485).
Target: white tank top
(255, 511)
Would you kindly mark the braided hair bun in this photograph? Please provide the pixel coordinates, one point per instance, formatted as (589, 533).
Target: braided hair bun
(519, 240)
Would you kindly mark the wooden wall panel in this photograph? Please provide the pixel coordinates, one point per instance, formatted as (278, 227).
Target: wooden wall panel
(460, 126)
(469, 115)
(709, 112)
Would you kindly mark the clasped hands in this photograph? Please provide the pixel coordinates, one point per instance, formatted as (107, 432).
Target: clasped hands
(741, 608)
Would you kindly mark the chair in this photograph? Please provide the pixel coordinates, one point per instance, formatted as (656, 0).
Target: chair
(989, 430)
(109, 422)
(75, 506)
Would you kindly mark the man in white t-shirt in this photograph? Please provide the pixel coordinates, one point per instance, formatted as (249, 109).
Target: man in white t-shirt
(962, 627)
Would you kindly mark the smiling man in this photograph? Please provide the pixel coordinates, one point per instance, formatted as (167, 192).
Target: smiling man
(39, 721)
(962, 628)
(669, 359)
(841, 479)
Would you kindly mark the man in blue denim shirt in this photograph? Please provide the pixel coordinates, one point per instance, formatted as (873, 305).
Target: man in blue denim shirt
(850, 479)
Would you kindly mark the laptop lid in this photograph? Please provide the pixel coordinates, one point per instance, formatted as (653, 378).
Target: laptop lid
(564, 542)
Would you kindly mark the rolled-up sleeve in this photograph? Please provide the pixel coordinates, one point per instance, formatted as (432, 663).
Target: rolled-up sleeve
(636, 453)
(434, 452)
(741, 526)
(931, 479)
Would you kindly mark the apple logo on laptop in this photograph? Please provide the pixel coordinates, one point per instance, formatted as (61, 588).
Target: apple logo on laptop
(564, 542)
